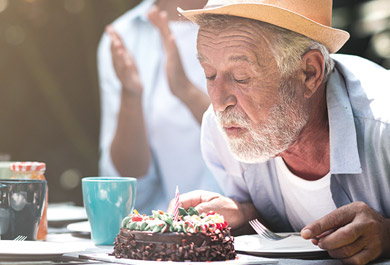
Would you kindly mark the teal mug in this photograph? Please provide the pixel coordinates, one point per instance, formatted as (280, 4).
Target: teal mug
(107, 200)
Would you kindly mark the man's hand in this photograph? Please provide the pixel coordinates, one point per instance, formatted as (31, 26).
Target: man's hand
(194, 98)
(177, 78)
(124, 65)
(205, 201)
(354, 233)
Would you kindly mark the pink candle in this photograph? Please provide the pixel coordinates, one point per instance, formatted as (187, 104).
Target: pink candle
(176, 212)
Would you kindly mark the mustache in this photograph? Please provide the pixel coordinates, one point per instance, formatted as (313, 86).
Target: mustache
(232, 116)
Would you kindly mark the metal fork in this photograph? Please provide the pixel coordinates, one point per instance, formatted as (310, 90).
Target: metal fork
(264, 232)
(20, 238)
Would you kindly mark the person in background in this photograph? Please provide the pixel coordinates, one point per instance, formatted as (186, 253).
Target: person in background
(299, 138)
(152, 101)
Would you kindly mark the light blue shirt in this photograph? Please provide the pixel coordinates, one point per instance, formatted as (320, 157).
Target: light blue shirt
(173, 132)
(358, 100)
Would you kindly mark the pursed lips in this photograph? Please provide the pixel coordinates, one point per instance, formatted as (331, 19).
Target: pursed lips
(234, 129)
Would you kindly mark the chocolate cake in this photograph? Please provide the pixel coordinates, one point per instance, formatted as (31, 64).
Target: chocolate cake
(193, 237)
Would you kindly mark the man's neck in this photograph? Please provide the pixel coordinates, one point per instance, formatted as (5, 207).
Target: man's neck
(309, 157)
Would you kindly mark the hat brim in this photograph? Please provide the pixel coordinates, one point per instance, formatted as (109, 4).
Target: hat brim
(332, 38)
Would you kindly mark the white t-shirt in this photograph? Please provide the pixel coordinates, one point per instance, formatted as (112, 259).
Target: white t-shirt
(305, 201)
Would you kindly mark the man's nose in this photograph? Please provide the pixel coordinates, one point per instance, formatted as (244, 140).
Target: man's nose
(221, 94)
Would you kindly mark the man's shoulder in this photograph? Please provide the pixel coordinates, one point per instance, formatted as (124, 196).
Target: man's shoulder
(367, 85)
(352, 59)
(355, 68)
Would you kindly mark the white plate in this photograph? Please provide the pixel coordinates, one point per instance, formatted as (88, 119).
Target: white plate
(57, 213)
(294, 247)
(241, 259)
(79, 227)
(34, 250)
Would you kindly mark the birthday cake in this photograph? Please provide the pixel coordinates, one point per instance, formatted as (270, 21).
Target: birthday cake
(192, 237)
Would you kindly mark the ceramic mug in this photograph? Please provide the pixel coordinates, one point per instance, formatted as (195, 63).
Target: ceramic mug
(107, 200)
(21, 207)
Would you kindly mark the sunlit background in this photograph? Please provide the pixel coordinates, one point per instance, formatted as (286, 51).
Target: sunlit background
(49, 95)
(368, 22)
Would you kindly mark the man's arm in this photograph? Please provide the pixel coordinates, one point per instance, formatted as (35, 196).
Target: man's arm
(195, 99)
(129, 149)
(354, 233)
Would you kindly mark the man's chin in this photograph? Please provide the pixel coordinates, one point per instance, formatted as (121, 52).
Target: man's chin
(248, 157)
(242, 152)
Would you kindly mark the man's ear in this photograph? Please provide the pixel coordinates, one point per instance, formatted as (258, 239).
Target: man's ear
(313, 68)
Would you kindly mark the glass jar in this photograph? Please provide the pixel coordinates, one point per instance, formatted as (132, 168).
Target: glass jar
(33, 170)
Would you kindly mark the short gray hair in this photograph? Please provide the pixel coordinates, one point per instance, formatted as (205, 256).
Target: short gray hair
(287, 56)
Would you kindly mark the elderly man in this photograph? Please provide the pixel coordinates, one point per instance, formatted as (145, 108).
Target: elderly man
(296, 137)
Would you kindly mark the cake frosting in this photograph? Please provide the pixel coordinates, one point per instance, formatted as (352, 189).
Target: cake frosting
(193, 237)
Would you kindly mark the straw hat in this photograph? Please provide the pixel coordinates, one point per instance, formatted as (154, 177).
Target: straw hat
(312, 18)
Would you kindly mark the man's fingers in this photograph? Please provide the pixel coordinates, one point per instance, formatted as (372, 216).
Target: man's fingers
(334, 220)
(349, 250)
(192, 199)
(118, 48)
(116, 41)
(343, 236)
(358, 237)
(324, 234)
(163, 25)
(362, 257)
(205, 207)
(109, 30)
(112, 33)
(160, 20)
(153, 15)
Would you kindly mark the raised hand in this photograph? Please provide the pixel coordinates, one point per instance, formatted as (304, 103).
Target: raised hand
(354, 233)
(195, 99)
(177, 78)
(124, 65)
(130, 150)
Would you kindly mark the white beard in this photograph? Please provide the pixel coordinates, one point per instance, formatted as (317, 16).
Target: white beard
(265, 141)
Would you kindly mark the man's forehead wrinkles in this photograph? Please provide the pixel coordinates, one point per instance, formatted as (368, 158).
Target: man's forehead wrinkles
(236, 34)
(244, 44)
(227, 41)
(242, 56)
(230, 44)
(234, 57)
